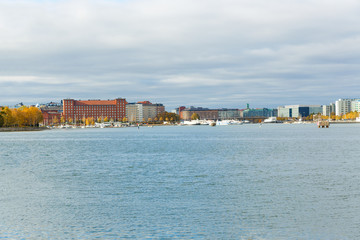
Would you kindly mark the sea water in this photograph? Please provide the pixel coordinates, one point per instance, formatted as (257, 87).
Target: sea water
(274, 181)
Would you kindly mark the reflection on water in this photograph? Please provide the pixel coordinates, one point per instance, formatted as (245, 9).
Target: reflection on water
(228, 182)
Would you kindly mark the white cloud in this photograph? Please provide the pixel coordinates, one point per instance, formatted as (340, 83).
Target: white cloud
(258, 49)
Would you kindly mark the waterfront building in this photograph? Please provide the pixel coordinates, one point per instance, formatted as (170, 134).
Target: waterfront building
(259, 112)
(134, 112)
(79, 109)
(328, 109)
(51, 114)
(226, 114)
(298, 111)
(343, 106)
(204, 113)
(143, 111)
(355, 105)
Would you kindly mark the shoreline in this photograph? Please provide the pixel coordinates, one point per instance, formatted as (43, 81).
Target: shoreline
(22, 129)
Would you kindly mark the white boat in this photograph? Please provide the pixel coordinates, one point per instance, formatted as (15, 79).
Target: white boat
(270, 120)
(357, 119)
(222, 122)
(192, 122)
(228, 122)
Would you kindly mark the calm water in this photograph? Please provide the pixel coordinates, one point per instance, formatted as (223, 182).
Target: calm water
(199, 182)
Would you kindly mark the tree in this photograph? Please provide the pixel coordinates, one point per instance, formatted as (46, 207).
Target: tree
(149, 119)
(1, 118)
(124, 119)
(195, 116)
(55, 120)
(62, 119)
(106, 119)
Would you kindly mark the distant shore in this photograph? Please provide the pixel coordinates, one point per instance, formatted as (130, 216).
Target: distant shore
(22, 129)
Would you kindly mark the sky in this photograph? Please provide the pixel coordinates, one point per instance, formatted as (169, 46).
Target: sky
(209, 53)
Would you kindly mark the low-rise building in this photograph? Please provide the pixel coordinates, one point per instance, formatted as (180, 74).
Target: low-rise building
(51, 115)
(204, 113)
(259, 112)
(298, 111)
(226, 114)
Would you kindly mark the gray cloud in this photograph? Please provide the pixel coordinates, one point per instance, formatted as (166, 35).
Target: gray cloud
(180, 52)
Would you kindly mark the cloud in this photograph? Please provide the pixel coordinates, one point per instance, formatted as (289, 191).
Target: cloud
(181, 52)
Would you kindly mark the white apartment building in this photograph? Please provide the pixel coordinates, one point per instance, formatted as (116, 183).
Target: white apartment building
(355, 105)
(143, 111)
(328, 109)
(344, 106)
(134, 112)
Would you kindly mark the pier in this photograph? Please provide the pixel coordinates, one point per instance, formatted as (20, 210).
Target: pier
(323, 124)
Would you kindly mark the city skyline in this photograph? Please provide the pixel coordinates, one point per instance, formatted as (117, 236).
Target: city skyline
(208, 54)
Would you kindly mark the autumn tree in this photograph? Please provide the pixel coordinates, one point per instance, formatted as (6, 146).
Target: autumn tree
(21, 117)
(195, 116)
(9, 119)
(164, 115)
(88, 121)
(1, 118)
(55, 120)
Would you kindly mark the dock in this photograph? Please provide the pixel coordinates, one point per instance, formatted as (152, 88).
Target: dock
(323, 124)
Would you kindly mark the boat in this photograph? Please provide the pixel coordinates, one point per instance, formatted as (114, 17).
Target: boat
(192, 122)
(222, 122)
(228, 122)
(271, 120)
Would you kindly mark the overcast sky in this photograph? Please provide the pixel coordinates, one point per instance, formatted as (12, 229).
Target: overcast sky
(206, 53)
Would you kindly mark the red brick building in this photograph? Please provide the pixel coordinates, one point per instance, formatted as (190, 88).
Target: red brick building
(51, 115)
(112, 109)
